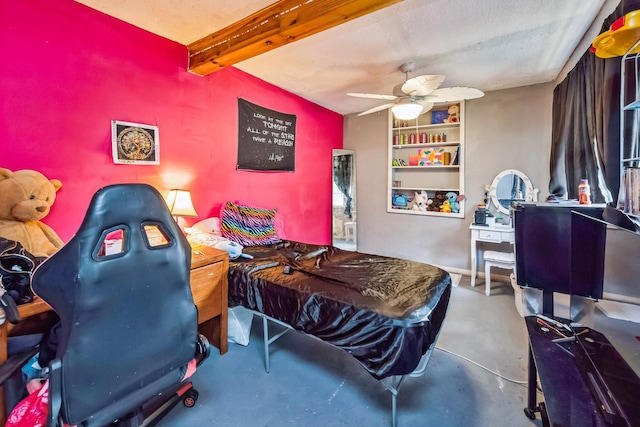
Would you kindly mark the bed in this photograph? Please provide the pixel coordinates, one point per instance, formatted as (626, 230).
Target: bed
(385, 312)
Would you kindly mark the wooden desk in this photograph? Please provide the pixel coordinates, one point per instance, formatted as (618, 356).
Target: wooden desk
(210, 288)
(32, 309)
(209, 285)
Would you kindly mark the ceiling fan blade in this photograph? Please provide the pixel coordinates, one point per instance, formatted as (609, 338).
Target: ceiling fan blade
(426, 105)
(372, 95)
(458, 93)
(378, 108)
(422, 85)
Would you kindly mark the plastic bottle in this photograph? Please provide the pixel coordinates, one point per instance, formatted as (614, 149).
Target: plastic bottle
(584, 192)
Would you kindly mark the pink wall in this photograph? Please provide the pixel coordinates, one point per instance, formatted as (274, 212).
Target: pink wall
(66, 71)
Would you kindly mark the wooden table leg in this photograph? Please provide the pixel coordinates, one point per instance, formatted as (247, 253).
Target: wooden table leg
(215, 330)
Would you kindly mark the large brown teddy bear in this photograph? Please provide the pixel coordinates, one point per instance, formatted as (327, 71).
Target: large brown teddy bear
(26, 197)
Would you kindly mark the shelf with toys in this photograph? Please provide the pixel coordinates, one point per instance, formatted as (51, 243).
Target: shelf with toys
(425, 161)
(416, 201)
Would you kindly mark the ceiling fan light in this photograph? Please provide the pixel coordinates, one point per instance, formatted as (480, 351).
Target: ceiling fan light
(406, 110)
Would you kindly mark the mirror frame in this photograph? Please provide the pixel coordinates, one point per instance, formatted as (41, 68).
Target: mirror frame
(529, 195)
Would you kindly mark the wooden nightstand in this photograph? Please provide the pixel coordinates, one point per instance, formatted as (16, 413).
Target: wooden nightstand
(209, 285)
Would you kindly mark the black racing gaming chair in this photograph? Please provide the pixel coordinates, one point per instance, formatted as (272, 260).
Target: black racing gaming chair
(128, 321)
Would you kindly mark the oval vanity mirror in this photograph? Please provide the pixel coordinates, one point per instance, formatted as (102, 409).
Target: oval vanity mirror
(508, 186)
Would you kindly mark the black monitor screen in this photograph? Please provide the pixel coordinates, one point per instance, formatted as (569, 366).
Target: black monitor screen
(543, 242)
(587, 255)
(621, 263)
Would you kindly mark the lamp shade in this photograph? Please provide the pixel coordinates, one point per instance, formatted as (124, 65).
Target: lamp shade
(179, 203)
(406, 109)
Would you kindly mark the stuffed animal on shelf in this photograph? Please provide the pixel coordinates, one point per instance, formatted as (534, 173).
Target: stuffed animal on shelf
(438, 199)
(26, 197)
(445, 207)
(454, 114)
(421, 201)
(454, 201)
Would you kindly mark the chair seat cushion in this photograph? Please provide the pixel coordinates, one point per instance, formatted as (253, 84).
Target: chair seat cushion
(506, 257)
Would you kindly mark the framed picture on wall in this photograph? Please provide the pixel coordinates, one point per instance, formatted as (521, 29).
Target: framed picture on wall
(135, 143)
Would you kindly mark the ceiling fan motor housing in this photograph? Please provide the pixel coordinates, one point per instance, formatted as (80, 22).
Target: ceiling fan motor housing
(408, 67)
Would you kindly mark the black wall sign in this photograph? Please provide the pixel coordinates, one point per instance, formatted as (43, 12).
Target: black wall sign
(266, 138)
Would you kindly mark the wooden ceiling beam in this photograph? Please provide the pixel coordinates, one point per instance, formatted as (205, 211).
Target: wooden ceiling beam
(281, 23)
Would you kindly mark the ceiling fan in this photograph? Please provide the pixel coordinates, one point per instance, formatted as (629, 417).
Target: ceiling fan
(418, 94)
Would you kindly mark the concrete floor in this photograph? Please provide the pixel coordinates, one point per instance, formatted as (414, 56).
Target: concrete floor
(476, 376)
(314, 384)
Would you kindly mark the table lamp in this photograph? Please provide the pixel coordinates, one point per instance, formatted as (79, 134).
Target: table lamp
(179, 203)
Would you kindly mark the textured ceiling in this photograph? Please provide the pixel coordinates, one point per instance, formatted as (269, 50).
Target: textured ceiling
(487, 44)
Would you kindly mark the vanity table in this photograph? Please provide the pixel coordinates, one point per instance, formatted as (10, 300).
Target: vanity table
(508, 186)
(490, 233)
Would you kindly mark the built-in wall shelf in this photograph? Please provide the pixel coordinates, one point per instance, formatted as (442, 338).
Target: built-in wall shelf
(426, 154)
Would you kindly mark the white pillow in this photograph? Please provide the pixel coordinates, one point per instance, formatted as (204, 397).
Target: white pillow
(204, 238)
(208, 225)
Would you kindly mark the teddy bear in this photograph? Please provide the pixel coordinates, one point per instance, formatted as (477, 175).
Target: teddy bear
(26, 197)
(454, 114)
(421, 202)
(438, 199)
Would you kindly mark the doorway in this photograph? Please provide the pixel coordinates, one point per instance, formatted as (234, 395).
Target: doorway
(343, 200)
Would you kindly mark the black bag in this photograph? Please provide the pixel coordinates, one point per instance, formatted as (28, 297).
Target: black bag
(16, 267)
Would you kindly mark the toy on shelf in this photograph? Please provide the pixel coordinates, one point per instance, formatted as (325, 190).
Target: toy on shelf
(421, 201)
(454, 201)
(621, 36)
(445, 207)
(454, 114)
(400, 200)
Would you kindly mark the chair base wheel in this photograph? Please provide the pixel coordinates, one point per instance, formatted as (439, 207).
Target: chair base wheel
(190, 398)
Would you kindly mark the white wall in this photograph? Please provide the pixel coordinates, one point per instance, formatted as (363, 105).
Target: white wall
(506, 129)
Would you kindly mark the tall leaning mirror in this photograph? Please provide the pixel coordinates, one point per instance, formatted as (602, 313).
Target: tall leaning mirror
(344, 221)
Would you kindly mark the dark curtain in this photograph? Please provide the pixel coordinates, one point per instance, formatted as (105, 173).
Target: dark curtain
(585, 140)
(342, 178)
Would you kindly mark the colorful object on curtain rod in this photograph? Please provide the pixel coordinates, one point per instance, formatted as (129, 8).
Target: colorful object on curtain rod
(622, 36)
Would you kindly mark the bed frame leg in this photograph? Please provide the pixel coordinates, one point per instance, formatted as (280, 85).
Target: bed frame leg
(266, 339)
(394, 396)
(393, 385)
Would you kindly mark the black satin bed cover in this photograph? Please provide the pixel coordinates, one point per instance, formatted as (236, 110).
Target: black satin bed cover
(385, 312)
